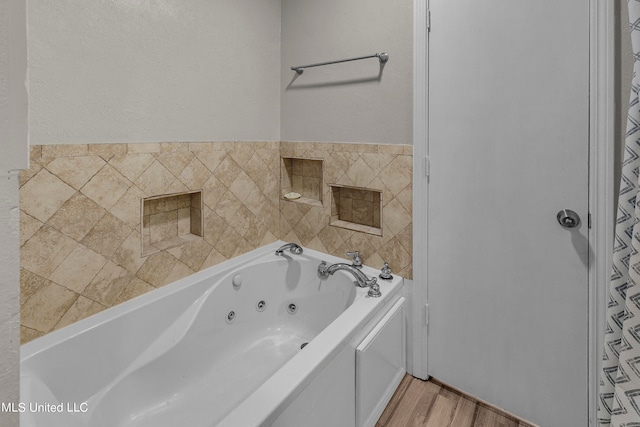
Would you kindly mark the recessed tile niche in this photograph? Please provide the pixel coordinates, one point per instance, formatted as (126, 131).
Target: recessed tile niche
(170, 220)
(356, 208)
(302, 176)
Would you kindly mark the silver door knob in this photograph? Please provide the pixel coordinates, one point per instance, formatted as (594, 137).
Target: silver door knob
(568, 218)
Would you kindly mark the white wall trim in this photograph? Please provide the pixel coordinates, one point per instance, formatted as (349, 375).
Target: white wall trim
(601, 182)
(420, 181)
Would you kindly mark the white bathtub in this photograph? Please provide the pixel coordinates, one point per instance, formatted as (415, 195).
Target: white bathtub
(219, 348)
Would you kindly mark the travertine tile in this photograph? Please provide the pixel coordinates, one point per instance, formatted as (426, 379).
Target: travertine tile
(106, 187)
(163, 226)
(393, 252)
(243, 186)
(234, 221)
(107, 235)
(165, 204)
(173, 146)
(398, 174)
(391, 149)
(82, 308)
(227, 171)
(131, 166)
(360, 173)
(176, 161)
(44, 252)
(43, 195)
(211, 158)
(29, 284)
(108, 284)
(128, 255)
(27, 174)
(228, 206)
(176, 187)
(184, 221)
(77, 216)
(194, 175)
(156, 268)
(155, 180)
(46, 307)
(178, 272)
(28, 227)
(194, 253)
(63, 150)
(78, 269)
(107, 151)
(405, 238)
(214, 226)
(134, 289)
(242, 248)
(241, 152)
(213, 190)
(241, 220)
(396, 217)
(214, 258)
(405, 197)
(127, 208)
(146, 147)
(28, 334)
(228, 242)
(256, 232)
(386, 168)
(118, 235)
(76, 171)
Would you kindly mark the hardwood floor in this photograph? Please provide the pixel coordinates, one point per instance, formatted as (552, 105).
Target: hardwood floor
(418, 403)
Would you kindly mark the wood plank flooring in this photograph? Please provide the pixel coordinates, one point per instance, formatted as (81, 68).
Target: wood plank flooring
(418, 403)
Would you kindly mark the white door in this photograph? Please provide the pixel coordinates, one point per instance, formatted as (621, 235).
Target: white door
(508, 146)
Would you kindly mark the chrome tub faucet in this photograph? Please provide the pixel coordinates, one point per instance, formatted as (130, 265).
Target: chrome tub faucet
(293, 248)
(325, 270)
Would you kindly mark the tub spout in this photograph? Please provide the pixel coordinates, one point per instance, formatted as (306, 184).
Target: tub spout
(325, 270)
(293, 248)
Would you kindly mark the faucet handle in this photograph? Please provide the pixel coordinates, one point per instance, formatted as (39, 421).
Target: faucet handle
(355, 255)
(374, 288)
(385, 272)
(323, 270)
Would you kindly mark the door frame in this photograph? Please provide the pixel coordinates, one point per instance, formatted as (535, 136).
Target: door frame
(601, 180)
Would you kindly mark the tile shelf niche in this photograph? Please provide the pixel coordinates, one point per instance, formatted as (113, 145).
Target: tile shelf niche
(356, 208)
(170, 220)
(303, 176)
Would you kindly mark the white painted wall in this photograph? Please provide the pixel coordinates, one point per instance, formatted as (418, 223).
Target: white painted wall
(347, 102)
(14, 151)
(13, 155)
(138, 71)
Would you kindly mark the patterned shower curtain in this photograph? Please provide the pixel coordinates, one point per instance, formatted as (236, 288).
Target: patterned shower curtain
(619, 403)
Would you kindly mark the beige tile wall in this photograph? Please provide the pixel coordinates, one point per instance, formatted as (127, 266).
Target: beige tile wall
(386, 168)
(80, 216)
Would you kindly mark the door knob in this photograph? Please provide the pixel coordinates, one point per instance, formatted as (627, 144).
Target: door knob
(568, 218)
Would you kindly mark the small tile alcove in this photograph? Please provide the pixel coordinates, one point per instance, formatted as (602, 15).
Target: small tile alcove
(170, 220)
(302, 176)
(356, 208)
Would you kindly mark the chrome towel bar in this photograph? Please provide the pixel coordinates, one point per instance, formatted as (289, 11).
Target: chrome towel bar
(383, 57)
